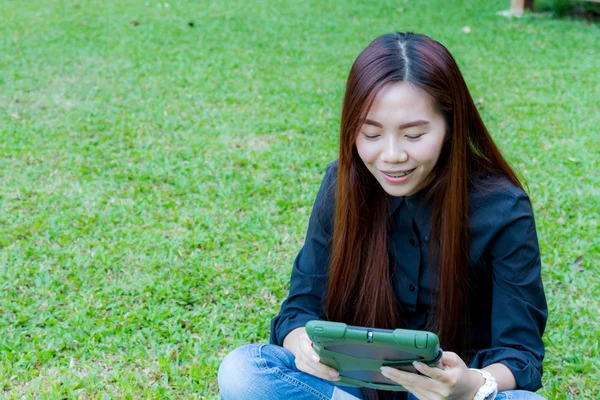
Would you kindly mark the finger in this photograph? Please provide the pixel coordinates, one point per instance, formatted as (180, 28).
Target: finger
(307, 349)
(404, 378)
(302, 366)
(434, 373)
(304, 337)
(451, 359)
(307, 354)
(321, 368)
(311, 359)
(310, 370)
(422, 387)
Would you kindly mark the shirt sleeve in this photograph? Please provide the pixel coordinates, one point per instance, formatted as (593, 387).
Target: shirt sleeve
(519, 310)
(308, 283)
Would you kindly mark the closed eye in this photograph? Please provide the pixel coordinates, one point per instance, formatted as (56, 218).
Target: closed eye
(370, 137)
(416, 137)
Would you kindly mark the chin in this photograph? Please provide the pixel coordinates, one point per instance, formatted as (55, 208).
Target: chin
(397, 192)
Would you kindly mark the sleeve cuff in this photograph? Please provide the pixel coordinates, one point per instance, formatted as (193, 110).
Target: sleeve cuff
(528, 374)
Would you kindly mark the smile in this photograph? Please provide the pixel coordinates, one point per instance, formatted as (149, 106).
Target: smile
(398, 174)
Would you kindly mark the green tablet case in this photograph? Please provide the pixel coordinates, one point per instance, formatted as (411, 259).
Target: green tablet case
(358, 353)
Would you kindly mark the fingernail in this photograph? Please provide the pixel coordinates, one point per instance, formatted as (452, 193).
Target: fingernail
(417, 365)
(315, 358)
(333, 374)
(384, 370)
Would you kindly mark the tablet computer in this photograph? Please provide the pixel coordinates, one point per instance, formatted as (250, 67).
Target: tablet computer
(358, 353)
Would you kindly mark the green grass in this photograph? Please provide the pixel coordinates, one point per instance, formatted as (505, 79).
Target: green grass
(156, 180)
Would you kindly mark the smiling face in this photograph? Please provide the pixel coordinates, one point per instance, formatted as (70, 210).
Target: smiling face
(402, 138)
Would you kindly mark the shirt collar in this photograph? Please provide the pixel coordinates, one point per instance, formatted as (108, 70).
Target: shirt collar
(419, 208)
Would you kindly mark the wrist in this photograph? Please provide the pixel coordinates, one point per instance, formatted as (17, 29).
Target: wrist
(477, 382)
(489, 389)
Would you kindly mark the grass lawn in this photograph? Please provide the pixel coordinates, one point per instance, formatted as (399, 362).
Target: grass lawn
(156, 179)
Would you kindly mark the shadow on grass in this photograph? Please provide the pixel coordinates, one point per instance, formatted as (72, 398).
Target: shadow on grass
(570, 9)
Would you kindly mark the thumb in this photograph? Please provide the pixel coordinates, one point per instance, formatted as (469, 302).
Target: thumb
(451, 359)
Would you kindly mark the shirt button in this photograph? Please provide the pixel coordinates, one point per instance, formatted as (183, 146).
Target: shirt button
(412, 242)
(411, 288)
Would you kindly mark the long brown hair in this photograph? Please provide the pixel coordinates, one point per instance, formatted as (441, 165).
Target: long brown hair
(360, 288)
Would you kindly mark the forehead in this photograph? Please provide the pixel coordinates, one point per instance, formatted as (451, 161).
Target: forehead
(401, 100)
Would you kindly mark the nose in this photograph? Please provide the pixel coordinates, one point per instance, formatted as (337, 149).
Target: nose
(393, 151)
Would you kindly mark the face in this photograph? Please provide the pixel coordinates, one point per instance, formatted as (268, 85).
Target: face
(401, 139)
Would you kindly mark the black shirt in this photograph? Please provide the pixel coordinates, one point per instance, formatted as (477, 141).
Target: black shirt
(507, 302)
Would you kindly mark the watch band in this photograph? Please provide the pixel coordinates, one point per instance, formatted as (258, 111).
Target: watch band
(489, 390)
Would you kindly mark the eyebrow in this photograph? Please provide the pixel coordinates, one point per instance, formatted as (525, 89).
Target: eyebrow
(403, 126)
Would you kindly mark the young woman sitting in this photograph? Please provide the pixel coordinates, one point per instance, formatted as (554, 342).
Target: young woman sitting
(420, 224)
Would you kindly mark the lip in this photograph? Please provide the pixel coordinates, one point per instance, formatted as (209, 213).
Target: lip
(396, 172)
(396, 180)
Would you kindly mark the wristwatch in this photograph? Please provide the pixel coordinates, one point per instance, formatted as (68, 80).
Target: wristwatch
(489, 390)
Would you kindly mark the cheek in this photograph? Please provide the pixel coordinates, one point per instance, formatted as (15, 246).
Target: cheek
(366, 151)
(428, 154)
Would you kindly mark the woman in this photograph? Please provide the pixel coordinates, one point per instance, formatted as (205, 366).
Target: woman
(420, 224)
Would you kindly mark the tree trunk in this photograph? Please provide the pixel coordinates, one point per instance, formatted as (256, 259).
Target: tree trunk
(519, 6)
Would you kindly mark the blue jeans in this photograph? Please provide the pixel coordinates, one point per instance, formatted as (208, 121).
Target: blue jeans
(264, 371)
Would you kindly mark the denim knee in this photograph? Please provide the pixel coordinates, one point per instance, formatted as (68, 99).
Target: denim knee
(237, 372)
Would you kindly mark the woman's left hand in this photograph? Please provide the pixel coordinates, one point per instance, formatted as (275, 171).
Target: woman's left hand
(454, 381)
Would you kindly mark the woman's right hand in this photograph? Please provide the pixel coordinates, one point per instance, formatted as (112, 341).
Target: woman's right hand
(307, 359)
